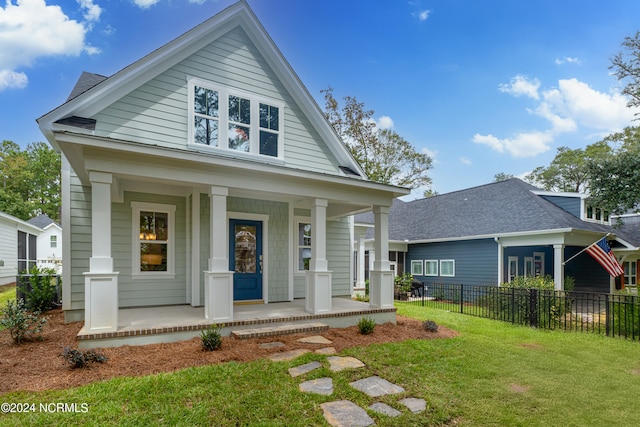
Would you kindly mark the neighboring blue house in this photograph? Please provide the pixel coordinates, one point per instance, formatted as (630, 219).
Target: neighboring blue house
(489, 234)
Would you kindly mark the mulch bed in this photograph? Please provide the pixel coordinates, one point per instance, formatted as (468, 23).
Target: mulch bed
(37, 365)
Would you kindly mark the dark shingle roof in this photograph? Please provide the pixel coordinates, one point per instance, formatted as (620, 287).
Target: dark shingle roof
(42, 221)
(85, 82)
(501, 207)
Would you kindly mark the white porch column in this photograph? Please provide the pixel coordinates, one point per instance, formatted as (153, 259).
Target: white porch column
(500, 261)
(318, 279)
(360, 276)
(218, 280)
(101, 282)
(558, 267)
(381, 277)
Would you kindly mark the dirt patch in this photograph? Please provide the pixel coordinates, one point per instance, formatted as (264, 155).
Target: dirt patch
(37, 365)
(635, 371)
(517, 388)
(531, 345)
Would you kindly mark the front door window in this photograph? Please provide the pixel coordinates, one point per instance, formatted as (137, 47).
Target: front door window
(245, 258)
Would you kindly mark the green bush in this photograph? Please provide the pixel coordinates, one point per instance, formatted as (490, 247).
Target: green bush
(81, 359)
(21, 324)
(43, 289)
(211, 338)
(366, 325)
(403, 281)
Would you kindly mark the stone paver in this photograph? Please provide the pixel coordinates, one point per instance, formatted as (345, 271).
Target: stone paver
(344, 413)
(288, 355)
(337, 363)
(415, 405)
(323, 386)
(303, 369)
(326, 350)
(268, 345)
(376, 386)
(385, 409)
(316, 339)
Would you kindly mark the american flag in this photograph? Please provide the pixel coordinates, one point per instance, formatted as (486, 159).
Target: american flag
(601, 251)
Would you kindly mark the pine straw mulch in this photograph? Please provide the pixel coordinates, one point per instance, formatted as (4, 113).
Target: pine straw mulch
(37, 365)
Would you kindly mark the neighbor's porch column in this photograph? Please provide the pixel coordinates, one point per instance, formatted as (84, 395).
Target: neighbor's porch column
(500, 261)
(100, 282)
(360, 273)
(318, 279)
(381, 277)
(558, 267)
(218, 280)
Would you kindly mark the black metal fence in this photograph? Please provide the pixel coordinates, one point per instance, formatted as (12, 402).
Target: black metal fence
(616, 315)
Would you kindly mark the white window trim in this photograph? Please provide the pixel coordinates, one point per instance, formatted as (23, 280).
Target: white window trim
(416, 263)
(296, 263)
(509, 272)
(170, 210)
(223, 121)
(431, 261)
(453, 263)
(528, 260)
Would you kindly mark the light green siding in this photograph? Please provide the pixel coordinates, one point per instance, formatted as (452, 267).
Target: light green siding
(339, 256)
(80, 200)
(136, 292)
(156, 113)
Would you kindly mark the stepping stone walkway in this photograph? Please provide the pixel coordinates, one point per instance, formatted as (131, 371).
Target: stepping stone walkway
(269, 345)
(344, 412)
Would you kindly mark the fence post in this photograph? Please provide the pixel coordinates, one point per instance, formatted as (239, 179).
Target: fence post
(461, 299)
(533, 307)
(422, 292)
(607, 314)
(513, 305)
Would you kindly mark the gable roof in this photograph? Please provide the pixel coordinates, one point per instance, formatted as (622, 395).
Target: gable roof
(498, 208)
(20, 224)
(93, 93)
(43, 221)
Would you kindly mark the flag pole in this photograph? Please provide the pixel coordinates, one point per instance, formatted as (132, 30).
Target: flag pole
(607, 235)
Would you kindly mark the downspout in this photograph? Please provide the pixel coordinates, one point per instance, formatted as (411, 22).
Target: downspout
(500, 261)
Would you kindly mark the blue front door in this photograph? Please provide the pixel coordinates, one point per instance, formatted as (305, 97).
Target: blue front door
(245, 258)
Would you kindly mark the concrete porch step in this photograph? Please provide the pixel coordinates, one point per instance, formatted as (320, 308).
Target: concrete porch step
(270, 331)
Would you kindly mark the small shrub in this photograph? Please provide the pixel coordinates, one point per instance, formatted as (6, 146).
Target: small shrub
(366, 325)
(41, 293)
(21, 324)
(211, 338)
(81, 359)
(430, 326)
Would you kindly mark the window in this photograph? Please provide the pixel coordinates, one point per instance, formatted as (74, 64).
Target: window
(630, 274)
(431, 267)
(153, 239)
(304, 246)
(54, 241)
(231, 120)
(27, 244)
(512, 265)
(528, 266)
(597, 215)
(447, 268)
(416, 268)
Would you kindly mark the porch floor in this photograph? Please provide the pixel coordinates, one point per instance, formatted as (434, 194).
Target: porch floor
(146, 325)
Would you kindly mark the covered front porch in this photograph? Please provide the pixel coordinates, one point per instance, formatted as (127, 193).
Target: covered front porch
(149, 325)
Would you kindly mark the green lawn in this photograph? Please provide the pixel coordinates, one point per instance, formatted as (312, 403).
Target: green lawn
(7, 293)
(493, 374)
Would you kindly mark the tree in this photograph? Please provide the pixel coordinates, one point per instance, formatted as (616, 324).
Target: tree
(615, 178)
(501, 176)
(568, 170)
(626, 67)
(30, 180)
(384, 155)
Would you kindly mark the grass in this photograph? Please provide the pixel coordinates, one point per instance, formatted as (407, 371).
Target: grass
(492, 374)
(7, 293)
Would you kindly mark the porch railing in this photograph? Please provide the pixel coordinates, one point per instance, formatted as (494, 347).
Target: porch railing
(615, 315)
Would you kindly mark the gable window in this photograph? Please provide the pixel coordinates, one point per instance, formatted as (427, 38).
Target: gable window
(447, 267)
(597, 215)
(232, 120)
(304, 246)
(153, 239)
(53, 241)
(431, 267)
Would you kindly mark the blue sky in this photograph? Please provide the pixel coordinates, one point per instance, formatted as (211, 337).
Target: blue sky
(481, 86)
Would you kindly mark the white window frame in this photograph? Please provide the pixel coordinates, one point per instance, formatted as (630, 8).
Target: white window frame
(170, 210)
(417, 268)
(298, 245)
(629, 274)
(223, 121)
(512, 274)
(433, 262)
(53, 241)
(528, 267)
(453, 267)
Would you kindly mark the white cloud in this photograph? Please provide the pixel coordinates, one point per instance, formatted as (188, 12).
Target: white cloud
(465, 160)
(384, 122)
(572, 106)
(423, 15)
(568, 60)
(520, 85)
(92, 11)
(527, 144)
(31, 29)
(145, 4)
